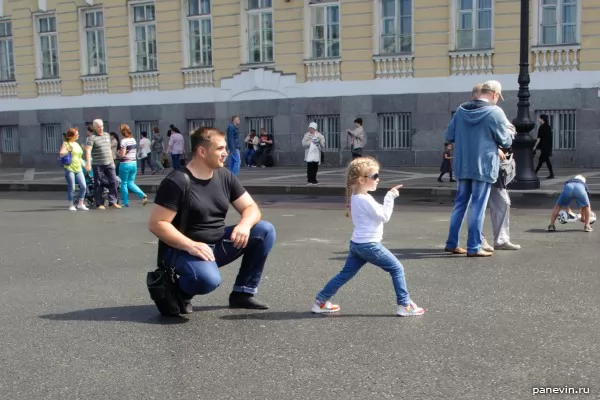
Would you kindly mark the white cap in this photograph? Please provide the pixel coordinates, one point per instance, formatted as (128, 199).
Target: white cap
(313, 125)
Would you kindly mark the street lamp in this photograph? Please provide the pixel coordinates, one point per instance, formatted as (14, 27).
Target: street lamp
(525, 178)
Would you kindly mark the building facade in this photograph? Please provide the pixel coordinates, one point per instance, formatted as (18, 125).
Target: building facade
(403, 66)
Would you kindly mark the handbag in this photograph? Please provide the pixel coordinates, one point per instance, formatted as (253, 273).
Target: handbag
(67, 159)
(163, 283)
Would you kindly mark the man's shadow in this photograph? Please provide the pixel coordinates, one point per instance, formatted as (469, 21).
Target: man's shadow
(146, 314)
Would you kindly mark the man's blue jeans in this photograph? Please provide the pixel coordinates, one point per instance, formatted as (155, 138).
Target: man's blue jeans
(234, 161)
(197, 276)
(478, 192)
(376, 254)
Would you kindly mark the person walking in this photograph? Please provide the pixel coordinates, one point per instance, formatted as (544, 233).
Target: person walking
(144, 153)
(128, 167)
(357, 138)
(99, 159)
(477, 129)
(176, 147)
(446, 167)
(544, 143)
(313, 143)
(234, 145)
(73, 170)
(157, 147)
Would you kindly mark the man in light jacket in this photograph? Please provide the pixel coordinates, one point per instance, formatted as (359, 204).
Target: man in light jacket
(477, 129)
(357, 138)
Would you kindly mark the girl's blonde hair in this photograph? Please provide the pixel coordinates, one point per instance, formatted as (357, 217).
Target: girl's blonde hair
(359, 167)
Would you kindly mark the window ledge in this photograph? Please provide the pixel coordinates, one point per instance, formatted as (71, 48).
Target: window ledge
(95, 84)
(247, 66)
(48, 86)
(323, 69)
(471, 62)
(8, 89)
(471, 51)
(393, 65)
(556, 58)
(144, 81)
(195, 77)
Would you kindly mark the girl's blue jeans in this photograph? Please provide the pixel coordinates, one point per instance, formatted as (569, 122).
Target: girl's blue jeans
(127, 173)
(71, 178)
(376, 254)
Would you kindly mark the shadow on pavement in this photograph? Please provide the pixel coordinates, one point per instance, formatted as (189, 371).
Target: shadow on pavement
(141, 314)
(558, 230)
(39, 210)
(406, 254)
(295, 315)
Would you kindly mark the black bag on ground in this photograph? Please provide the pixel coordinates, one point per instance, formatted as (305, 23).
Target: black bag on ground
(163, 283)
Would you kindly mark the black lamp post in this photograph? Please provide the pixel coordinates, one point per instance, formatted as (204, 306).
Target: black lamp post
(525, 179)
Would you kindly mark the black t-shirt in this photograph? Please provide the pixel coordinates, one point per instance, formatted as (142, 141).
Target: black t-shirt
(209, 202)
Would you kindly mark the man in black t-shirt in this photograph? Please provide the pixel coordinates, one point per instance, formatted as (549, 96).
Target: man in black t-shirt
(207, 244)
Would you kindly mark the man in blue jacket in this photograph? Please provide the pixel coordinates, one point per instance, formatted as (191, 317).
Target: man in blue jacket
(477, 129)
(234, 144)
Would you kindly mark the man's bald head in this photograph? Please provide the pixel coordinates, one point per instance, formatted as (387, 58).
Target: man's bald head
(476, 92)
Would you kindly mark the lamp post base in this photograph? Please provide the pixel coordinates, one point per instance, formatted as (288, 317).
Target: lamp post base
(525, 179)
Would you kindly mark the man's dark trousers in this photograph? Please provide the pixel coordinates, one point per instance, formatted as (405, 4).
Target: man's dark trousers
(105, 176)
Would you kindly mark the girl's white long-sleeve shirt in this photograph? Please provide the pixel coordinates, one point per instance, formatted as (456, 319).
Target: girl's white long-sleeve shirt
(369, 216)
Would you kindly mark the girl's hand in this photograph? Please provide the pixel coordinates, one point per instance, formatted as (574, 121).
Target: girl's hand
(394, 190)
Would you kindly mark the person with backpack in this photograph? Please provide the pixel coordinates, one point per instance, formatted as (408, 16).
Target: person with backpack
(199, 195)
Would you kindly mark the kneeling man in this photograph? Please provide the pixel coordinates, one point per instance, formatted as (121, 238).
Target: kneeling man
(207, 244)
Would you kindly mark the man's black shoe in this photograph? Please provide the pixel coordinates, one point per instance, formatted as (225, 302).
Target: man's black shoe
(245, 300)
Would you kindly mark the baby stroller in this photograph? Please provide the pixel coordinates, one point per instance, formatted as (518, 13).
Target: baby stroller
(89, 200)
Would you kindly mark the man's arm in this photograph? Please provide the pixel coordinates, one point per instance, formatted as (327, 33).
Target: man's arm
(251, 215)
(230, 138)
(161, 225)
(450, 135)
(502, 130)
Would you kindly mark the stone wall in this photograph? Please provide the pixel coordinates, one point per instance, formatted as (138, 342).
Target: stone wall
(430, 114)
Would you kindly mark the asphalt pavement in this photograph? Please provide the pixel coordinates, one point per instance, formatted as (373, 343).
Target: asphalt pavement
(77, 321)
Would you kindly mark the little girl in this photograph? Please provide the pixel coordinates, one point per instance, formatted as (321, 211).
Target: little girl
(368, 218)
(446, 167)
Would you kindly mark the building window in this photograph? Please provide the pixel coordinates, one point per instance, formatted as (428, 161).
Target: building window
(144, 126)
(7, 58)
(558, 24)
(329, 126)
(9, 135)
(48, 47)
(194, 124)
(475, 21)
(260, 31)
(324, 28)
(257, 123)
(396, 26)
(53, 137)
(95, 49)
(563, 126)
(199, 34)
(395, 131)
(144, 26)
